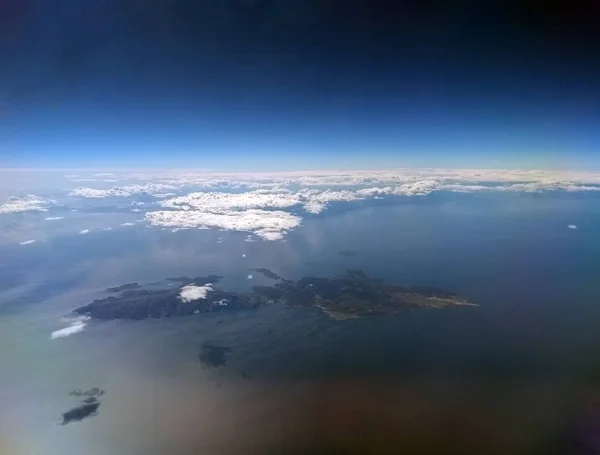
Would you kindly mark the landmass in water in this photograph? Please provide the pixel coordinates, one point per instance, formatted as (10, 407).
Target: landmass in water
(88, 407)
(212, 355)
(267, 273)
(352, 294)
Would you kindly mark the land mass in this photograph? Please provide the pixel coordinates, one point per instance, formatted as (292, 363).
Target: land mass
(213, 356)
(267, 273)
(88, 407)
(350, 295)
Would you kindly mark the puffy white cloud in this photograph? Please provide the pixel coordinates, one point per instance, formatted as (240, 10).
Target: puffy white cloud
(192, 292)
(27, 242)
(220, 202)
(572, 226)
(121, 191)
(29, 203)
(76, 325)
(250, 277)
(84, 231)
(270, 225)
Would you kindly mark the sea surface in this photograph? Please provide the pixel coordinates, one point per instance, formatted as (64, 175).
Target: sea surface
(517, 374)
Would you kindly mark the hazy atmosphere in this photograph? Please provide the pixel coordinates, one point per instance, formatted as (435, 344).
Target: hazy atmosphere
(268, 226)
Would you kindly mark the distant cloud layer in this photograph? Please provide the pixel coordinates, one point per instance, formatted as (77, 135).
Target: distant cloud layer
(27, 242)
(268, 205)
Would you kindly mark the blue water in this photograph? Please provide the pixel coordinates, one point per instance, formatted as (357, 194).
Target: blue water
(528, 353)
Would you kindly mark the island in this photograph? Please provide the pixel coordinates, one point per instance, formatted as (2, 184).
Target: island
(350, 295)
(88, 407)
(213, 356)
(267, 273)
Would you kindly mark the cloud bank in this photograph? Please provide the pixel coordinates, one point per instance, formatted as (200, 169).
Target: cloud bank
(121, 191)
(29, 203)
(269, 225)
(268, 205)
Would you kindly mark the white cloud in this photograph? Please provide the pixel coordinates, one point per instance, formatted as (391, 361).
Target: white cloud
(164, 195)
(221, 202)
(84, 231)
(27, 242)
(127, 224)
(572, 226)
(28, 203)
(243, 255)
(53, 218)
(192, 292)
(270, 204)
(77, 325)
(250, 277)
(270, 225)
(121, 191)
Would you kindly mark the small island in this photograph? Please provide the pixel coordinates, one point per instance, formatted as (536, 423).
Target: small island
(267, 273)
(350, 295)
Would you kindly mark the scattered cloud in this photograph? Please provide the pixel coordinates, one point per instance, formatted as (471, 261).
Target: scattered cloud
(127, 224)
(572, 226)
(192, 292)
(250, 277)
(53, 218)
(29, 203)
(84, 231)
(269, 225)
(76, 325)
(27, 242)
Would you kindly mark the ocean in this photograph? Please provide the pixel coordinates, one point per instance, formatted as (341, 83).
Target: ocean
(516, 374)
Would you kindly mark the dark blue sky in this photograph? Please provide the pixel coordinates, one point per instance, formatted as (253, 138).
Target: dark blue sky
(247, 84)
